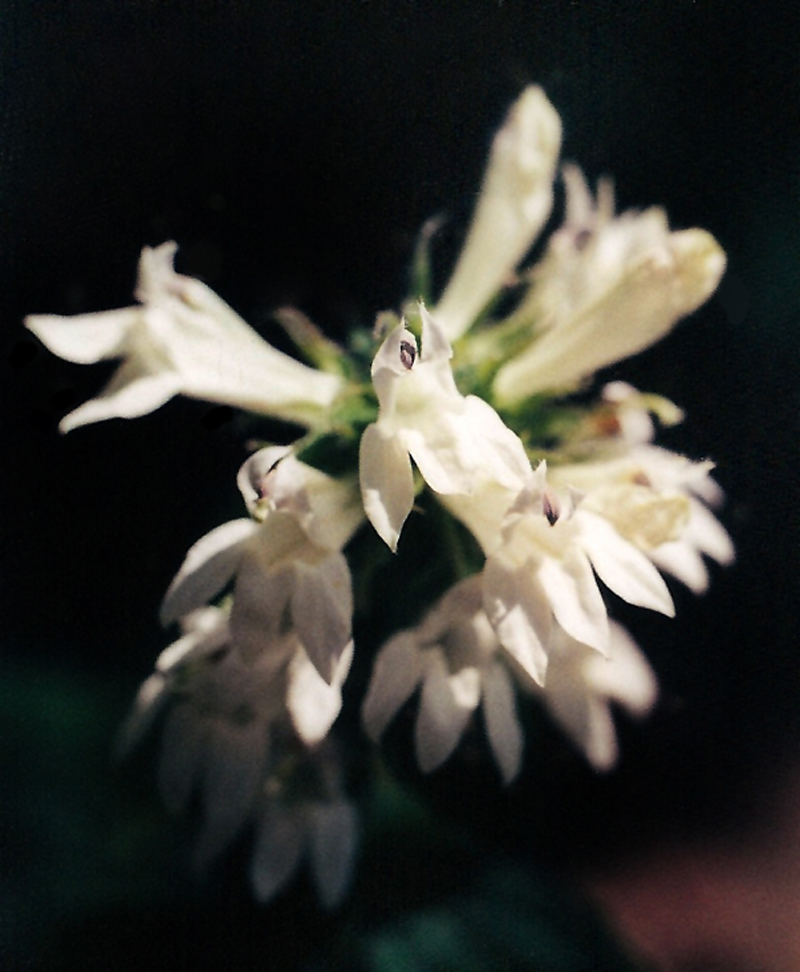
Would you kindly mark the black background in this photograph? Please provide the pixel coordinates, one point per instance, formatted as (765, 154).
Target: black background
(293, 150)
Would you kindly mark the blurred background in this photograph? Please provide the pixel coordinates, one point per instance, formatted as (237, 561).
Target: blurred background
(293, 150)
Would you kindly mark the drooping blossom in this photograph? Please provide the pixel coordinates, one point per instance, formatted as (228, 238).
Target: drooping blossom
(455, 658)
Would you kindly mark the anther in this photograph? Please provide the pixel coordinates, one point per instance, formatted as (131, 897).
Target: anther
(408, 354)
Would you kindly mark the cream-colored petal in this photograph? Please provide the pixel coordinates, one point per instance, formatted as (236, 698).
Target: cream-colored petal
(314, 704)
(628, 308)
(514, 203)
(682, 560)
(623, 568)
(627, 677)
(387, 483)
(88, 337)
(131, 393)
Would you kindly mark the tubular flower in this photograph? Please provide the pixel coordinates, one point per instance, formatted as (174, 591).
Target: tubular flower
(249, 691)
(655, 498)
(288, 572)
(454, 441)
(315, 820)
(183, 339)
(542, 571)
(514, 204)
(216, 739)
(607, 288)
(581, 684)
(455, 657)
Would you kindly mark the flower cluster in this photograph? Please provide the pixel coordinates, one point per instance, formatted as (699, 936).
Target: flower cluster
(542, 498)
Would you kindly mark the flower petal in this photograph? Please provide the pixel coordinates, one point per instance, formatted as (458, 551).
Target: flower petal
(502, 723)
(183, 742)
(395, 676)
(623, 568)
(207, 568)
(684, 563)
(259, 617)
(322, 610)
(279, 845)
(333, 838)
(446, 705)
(387, 483)
(131, 393)
(234, 765)
(314, 704)
(519, 611)
(85, 338)
(514, 204)
(575, 598)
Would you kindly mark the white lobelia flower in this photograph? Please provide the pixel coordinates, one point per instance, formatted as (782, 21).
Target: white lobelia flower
(605, 289)
(291, 582)
(455, 441)
(455, 657)
(514, 204)
(321, 825)
(540, 570)
(183, 339)
(216, 736)
(581, 684)
(655, 498)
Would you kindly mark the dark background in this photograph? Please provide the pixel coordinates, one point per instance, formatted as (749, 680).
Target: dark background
(293, 150)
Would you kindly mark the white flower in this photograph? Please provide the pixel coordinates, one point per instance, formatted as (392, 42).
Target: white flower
(203, 633)
(514, 204)
(216, 735)
(222, 714)
(581, 684)
(455, 657)
(323, 826)
(183, 339)
(456, 442)
(288, 572)
(657, 500)
(543, 571)
(606, 289)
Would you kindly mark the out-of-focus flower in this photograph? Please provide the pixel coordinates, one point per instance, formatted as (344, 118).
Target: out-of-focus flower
(606, 289)
(581, 684)
(454, 441)
(655, 498)
(183, 339)
(514, 204)
(454, 655)
(224, 737)
(307, 815)
(216, 736)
